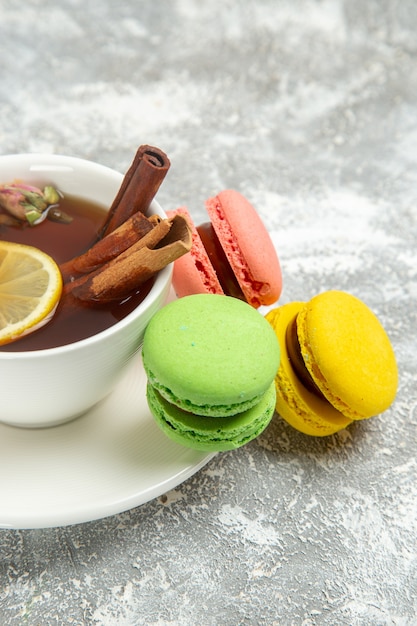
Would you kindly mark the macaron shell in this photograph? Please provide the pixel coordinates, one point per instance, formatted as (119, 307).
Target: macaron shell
(210, 351)
(247, 245)
(348, 354)
(211, 433)
(302, 409)
(193, 273)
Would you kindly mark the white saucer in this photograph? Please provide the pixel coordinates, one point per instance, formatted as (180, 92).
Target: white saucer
(110, 460)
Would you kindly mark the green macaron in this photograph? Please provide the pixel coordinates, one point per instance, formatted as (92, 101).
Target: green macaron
(210, 362)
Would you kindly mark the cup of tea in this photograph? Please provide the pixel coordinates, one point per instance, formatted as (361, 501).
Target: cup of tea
(57, 373)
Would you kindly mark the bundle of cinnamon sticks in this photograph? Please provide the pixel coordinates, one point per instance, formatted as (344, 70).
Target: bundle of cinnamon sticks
(131, 247)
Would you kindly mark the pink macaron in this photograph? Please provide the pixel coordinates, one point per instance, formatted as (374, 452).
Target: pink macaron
(232, 254)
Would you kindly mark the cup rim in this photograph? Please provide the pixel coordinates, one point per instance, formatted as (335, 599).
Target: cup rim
(62, 162)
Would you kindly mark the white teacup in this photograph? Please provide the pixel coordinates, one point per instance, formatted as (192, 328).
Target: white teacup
(48, 387)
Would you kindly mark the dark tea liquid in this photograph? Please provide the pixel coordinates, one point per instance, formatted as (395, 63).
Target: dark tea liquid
(63, 242)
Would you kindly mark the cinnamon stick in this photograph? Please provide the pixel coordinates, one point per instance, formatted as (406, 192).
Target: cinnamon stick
(110, 247)
(151, 239)
(121, 276)
(140, 185)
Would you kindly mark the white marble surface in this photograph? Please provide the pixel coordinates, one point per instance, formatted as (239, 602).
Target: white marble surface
(310, 109)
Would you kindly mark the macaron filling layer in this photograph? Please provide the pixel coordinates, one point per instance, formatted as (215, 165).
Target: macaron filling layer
(294, 353)
(212, 433)
(219, 261)
(207, 409)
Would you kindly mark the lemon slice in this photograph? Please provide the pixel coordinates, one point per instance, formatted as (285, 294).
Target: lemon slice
(30, 289)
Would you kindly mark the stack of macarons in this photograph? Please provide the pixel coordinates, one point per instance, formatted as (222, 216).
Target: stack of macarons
(211, 361)
(210, 357)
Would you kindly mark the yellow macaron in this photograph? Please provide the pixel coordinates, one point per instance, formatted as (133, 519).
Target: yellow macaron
(337, 363)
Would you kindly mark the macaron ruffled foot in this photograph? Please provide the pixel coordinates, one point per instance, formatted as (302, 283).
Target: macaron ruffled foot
(211, 361)
(337, 363)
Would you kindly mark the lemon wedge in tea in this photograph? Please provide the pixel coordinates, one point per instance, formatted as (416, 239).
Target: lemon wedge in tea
(30, 289)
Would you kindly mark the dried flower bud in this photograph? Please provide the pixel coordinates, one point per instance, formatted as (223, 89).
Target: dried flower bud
(26, 203)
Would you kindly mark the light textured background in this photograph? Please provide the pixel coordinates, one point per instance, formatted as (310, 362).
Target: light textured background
(308, 107)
